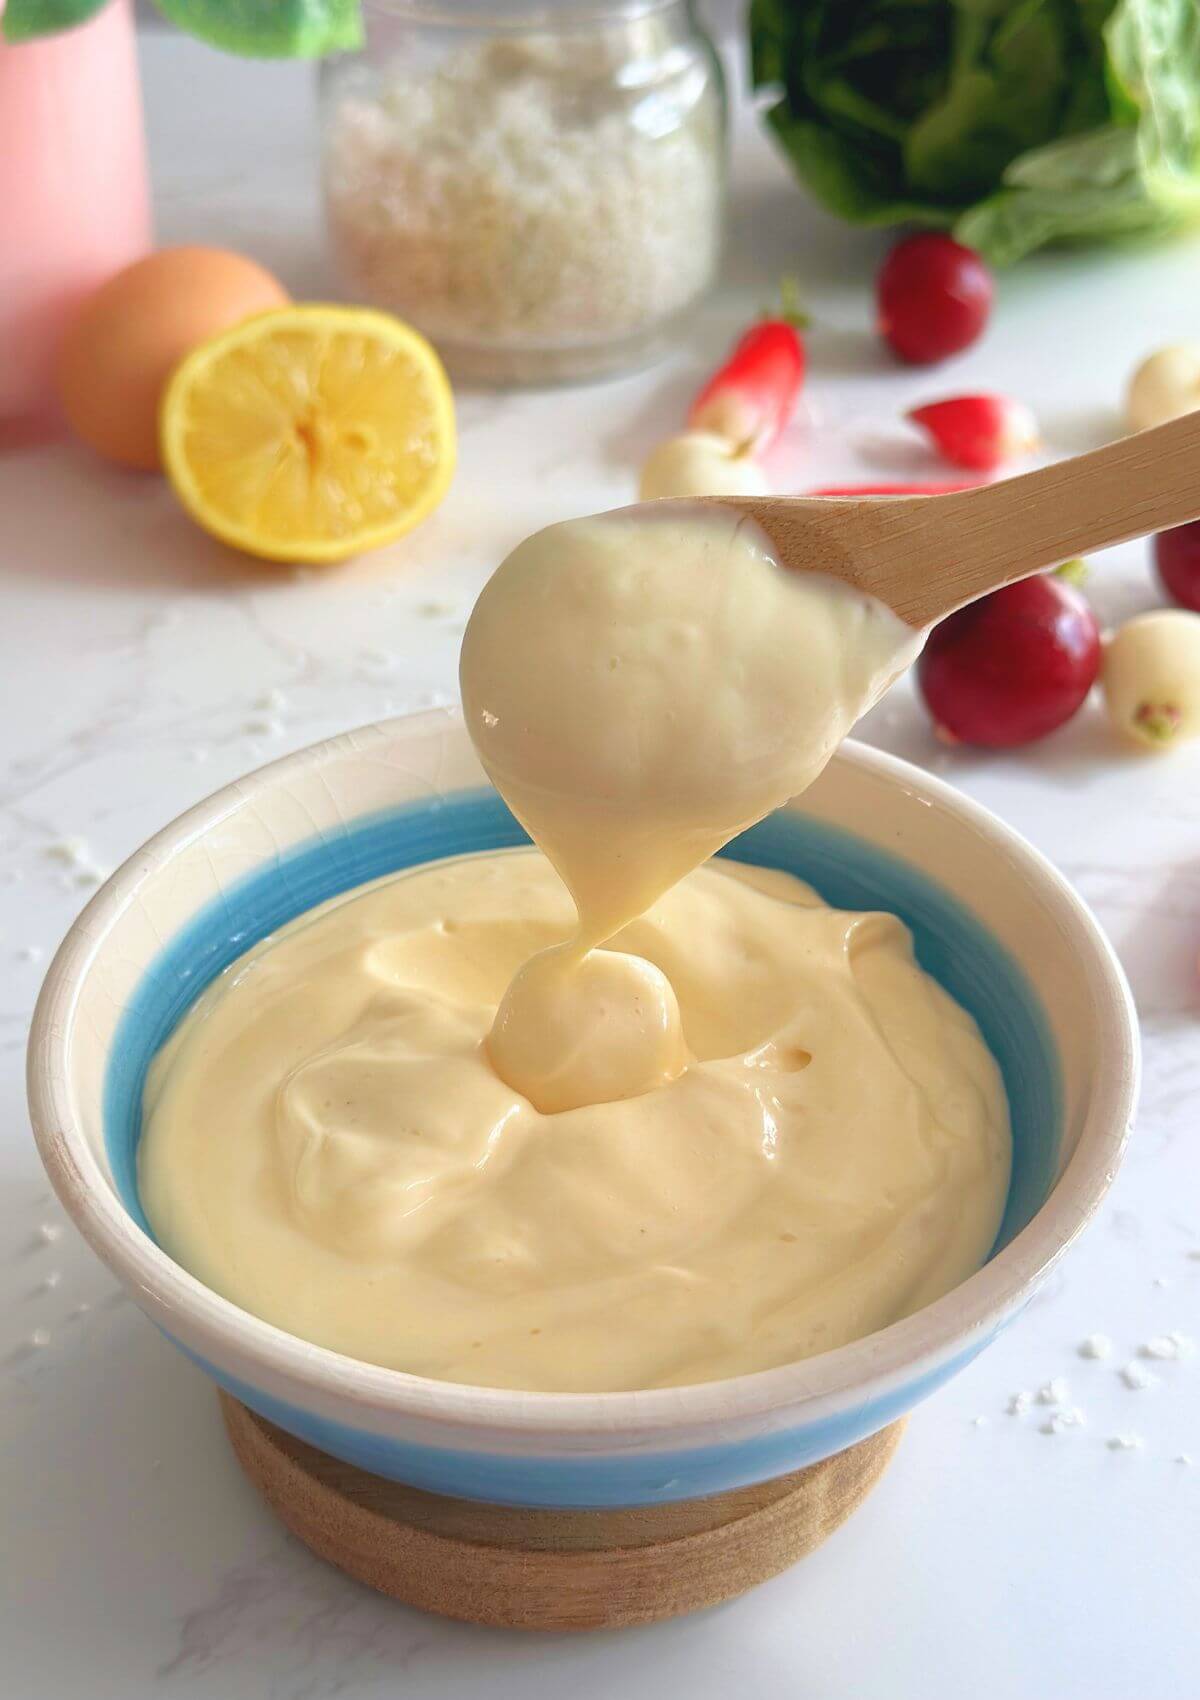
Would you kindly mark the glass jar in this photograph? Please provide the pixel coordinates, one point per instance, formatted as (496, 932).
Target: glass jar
(537, 188)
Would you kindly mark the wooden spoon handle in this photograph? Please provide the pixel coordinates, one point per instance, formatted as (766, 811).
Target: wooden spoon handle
(928, 555)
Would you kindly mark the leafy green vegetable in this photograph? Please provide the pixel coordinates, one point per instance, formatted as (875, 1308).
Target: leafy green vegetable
(266, 29)
(1013, 122)
(270, 29)
(21, 20)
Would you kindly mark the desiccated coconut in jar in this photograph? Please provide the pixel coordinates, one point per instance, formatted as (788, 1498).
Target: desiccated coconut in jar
(526, 192)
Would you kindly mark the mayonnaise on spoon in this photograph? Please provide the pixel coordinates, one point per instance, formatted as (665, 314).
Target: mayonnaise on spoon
(642, 686)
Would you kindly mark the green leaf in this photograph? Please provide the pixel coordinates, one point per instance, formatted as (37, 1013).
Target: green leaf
(1154, 50)
(1013, 223)
(1019, 121)
(1104, 158)
(270, 29)
(1007, 93)
(847, 178)
(23, 20)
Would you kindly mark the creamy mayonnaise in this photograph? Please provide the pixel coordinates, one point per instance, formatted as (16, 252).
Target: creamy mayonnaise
(644, 1124)
(328, 1145)
(640, 687)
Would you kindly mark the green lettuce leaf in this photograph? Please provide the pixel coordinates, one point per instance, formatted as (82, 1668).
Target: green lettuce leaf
(1014, 122)
(270, 29)
(263, 29)
(22, 20)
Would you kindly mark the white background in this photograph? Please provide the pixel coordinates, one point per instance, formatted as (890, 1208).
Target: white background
(993, 1561)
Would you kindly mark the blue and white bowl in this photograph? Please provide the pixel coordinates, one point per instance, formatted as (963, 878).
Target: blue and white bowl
(992, 920)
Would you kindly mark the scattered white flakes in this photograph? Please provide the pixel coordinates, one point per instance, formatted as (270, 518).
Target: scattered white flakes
(1168, 1346)
(48, 1232)
(1019, 1404)
(1125, 1443)
(1069, 1416)
(1162, 1280)
(67, 849)
(264, 726)
(30, 953)
(50, 1281)
(1055, 1392)
(39, 1338)
(82, 1309)
(1137, 1378)
(1096, 1346)
(272, 701)
(197, 754)
(979, 1422)
(75, 855)
(1184, 1458)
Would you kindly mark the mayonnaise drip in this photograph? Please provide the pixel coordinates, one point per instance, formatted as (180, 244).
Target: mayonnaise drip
(682, 1123)
(642, 686)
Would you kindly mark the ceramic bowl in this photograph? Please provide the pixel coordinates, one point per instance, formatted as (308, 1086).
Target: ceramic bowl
(992, 920)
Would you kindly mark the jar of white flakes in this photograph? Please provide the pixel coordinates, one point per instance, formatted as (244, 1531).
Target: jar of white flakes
(538, 188)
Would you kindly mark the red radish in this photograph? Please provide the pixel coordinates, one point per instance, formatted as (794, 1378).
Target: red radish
(1013, 666)
(890, 489)
(1177, 559)
(978, 431)
(934, 298)
(752, 397)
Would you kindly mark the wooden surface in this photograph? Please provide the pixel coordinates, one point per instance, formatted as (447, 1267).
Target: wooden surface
(927, 555)
(528, 1569)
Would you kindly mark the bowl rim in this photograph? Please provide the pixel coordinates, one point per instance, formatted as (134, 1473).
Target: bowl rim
(823, 1384)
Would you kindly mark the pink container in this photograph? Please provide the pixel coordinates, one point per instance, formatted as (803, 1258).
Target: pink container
(74, 197)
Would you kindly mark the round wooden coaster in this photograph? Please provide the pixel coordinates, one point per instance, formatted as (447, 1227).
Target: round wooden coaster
(528, 1569)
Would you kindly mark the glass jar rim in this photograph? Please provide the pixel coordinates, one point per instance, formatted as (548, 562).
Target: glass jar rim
(522, 16)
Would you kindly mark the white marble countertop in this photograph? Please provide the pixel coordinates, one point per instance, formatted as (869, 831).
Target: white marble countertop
(993, 1560)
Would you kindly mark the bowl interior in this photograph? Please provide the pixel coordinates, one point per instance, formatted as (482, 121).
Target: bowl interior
(992, 921)
(849, 870)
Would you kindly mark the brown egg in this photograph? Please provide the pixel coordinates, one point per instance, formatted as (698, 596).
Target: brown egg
(129, 336)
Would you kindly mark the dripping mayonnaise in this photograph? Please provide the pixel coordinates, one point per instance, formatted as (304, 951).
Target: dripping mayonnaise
(687, 1122)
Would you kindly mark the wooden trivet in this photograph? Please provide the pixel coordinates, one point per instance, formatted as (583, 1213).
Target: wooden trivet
(530, 1569)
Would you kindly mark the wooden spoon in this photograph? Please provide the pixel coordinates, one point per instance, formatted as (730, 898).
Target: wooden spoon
(925, 556)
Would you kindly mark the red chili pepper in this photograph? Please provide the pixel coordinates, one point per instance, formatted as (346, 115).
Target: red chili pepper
(890, 489)
(752, 397)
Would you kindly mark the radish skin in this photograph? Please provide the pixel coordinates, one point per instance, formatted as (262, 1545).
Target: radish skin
(1164, 387)
(1150, 677)
(700, 463)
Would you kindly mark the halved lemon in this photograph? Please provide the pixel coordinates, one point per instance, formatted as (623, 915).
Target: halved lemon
(310, 433)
